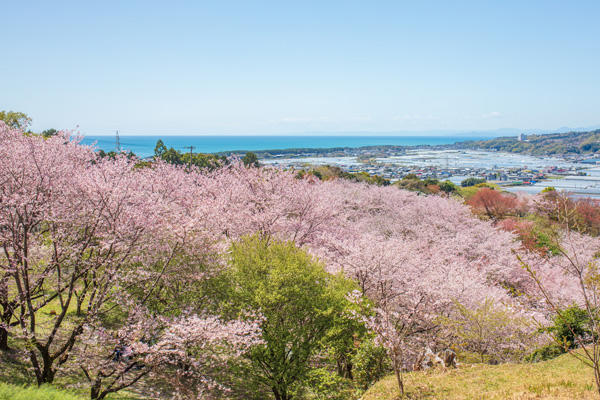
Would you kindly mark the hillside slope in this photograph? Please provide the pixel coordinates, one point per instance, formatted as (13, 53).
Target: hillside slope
(562, 378)
(584, 143)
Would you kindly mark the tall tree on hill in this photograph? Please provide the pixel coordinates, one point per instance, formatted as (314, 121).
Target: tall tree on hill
(299, 302)
(15, 120)
(250, 160)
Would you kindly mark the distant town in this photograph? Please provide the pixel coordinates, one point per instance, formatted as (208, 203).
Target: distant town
(383, 163)
(523, 160)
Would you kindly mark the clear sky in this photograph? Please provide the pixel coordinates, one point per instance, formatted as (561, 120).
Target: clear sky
(196, 67)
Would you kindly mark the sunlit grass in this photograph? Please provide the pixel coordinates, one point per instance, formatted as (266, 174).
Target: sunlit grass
(46, 392)
(562, 378)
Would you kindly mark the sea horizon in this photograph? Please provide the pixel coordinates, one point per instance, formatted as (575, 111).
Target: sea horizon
(143, 145)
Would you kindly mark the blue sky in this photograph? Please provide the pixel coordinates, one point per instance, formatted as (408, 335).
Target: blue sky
(238, 67)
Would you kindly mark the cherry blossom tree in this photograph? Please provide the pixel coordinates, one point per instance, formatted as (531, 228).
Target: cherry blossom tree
(181, 352)
(415, 258)
(34, 189)
(269, 201)
(571, 278)
(84, 236)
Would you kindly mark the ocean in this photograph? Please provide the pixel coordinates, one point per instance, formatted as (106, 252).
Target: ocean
(143, 146)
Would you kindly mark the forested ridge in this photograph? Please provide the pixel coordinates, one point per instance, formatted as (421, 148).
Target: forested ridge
(583, 143)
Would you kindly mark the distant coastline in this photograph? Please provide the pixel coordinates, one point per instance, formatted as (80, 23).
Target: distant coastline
(143, 146)
(571, 145)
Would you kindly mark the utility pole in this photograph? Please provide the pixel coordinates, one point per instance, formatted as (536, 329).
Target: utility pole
(190, 162)
(117, 143)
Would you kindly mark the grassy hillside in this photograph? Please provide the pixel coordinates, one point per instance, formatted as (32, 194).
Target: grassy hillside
(562, 378)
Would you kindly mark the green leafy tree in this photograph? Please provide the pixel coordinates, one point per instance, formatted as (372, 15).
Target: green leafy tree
(201, 160)
(572, 323)
(176, 157)
(448, 187)
(372, 179)
(15, 120)
(414, 184)
(371, 363)
(342, 340)
(111, 154)
(172, 156)
(544, 353)
(300, 303)
(250, 160)
(160, 148)
(472, 182)
(325, 385)
(49, 132)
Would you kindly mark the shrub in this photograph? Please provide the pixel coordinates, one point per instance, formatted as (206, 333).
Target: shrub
(413, 183)
(573, 322)
(493, 204)
(448, 187)
(545, 353)
(323, 384)
(472, 182)
(250, 160)
(371, 363)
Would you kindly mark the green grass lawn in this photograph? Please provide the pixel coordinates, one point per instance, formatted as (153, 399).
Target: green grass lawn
(14, 392)
(17, 382)
(561, 378)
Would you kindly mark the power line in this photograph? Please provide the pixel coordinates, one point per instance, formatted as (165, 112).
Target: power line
(190, 162)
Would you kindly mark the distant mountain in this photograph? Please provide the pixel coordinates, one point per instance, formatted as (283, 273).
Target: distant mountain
(566, 129)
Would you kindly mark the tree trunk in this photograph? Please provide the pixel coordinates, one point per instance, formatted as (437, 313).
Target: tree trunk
(4, 340)
(349, 374)
(45, 374)
(281, 396)
(79, 303)
(399, 377)
(7, 308)
(597, 376)
(95, 390)
(400, 383)
(96, 393)
(344, 367)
